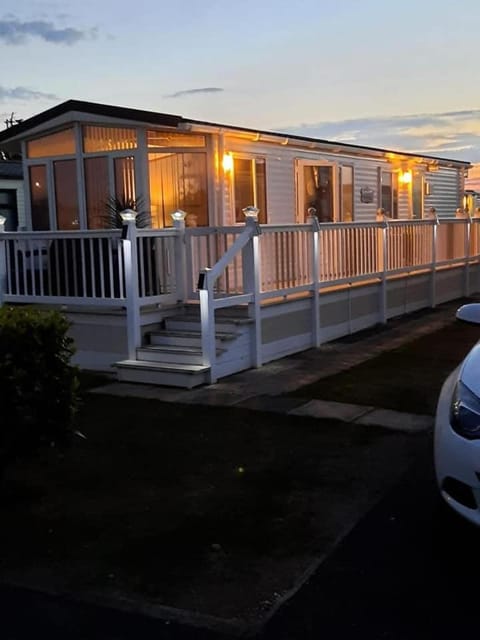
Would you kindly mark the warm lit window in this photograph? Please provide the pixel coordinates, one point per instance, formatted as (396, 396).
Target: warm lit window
(178, 181)
(97, 192)
(66, 198)
(174, 139)
(124, 170)
(249, 187)
(61, 143)
(97, 139)
(346, 193)
(389, 193)
(39, 197)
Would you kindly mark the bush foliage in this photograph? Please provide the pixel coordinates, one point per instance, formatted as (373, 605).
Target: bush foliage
(38, 384)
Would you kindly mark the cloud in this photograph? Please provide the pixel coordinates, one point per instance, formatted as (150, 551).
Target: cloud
(189, 92)
(449, 134)
(15, 32)
(24, 94)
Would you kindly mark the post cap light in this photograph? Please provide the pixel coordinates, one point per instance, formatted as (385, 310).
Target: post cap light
(128, 215)
(178, 215)
(251, 212)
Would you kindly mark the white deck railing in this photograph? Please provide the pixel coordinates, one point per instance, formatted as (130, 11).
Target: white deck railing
(139, 267)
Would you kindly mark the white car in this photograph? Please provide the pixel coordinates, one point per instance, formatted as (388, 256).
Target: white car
(457, 431)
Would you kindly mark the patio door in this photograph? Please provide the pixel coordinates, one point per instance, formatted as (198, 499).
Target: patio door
(315, 188)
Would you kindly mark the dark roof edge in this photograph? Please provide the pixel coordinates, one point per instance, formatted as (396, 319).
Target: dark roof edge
(93, 108)
(162, 119)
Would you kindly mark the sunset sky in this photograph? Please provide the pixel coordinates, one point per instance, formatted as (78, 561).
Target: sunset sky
(401, 75)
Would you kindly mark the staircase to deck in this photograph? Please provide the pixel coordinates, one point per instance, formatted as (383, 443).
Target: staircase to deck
(172, 353)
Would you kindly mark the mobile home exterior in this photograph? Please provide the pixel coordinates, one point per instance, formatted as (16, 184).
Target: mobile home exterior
(207, 289)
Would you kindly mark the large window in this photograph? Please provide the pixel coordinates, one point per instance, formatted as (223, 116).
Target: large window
(315, 191)
(66, 196)
(61, 143)
(249, 187)
(39, 197)
(346, 193)
(178, 181)
(96, 191)
(389, 193)
(97, 139)
(174, 139)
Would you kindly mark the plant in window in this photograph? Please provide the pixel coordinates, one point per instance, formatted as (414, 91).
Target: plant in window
(116, 204)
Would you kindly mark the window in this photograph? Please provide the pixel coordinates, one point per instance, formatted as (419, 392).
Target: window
(174, 139)
(96, 139)
(96, 191)
(178, 181)
(124, 169)
(389, 193)
(346, 193)
(39, 197)
(417, 195)
(66, 197)
(249, 187)
(61, 143)
(315, 190)
(8, 208)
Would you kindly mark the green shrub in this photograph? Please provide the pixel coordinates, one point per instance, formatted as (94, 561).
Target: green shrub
(38, 385)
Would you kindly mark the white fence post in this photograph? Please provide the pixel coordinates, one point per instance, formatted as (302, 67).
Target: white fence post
(468, 232)
(130, 258)
(433, 280)
(251, 280)
(315, 279)
(207, 321)
(3, 260)
(180, 261)
(383, 302)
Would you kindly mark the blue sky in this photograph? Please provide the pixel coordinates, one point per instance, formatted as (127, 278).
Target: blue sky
(400, 75)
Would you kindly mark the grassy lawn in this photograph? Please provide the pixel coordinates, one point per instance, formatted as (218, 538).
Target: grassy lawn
(215, 510)
(408, 378)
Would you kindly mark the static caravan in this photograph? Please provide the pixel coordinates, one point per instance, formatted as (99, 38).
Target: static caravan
(12, 201)
(77, 155)
(184, 251)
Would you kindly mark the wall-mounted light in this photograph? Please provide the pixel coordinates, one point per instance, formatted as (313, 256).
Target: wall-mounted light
(427, 188)
(405, 177)
(227, 162)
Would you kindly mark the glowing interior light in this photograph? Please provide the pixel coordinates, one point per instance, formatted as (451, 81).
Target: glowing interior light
(227, 162)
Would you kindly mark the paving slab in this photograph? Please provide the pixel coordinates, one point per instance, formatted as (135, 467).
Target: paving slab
(399, 421)
(276, 404)
(332, 410)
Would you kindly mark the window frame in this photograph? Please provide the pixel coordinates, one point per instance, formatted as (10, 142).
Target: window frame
(252, 157)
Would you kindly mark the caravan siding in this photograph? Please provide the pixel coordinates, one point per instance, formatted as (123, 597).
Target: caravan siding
(446, 190)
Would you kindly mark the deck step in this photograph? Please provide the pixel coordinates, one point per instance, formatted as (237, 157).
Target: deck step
(187, 338)
(172, 354)
(192, 323)
(185, 376)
